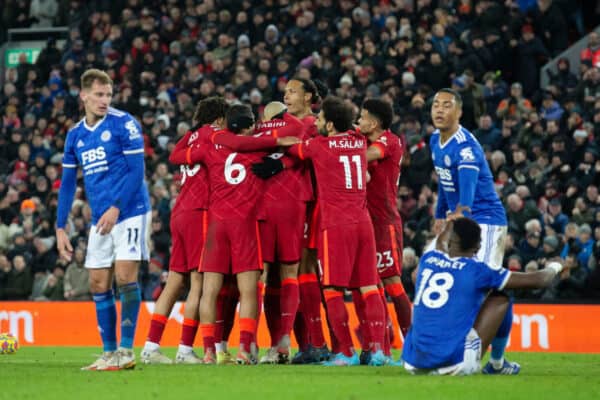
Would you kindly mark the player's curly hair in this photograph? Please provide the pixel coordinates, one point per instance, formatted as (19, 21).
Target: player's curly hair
(209, 110)
(380, 109)
(469, 233)
(335, 110)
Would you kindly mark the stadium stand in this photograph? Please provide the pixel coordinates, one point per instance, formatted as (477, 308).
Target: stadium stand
(543, 143)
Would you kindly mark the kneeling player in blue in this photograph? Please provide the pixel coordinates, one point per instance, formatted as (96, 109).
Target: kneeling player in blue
(453, 321)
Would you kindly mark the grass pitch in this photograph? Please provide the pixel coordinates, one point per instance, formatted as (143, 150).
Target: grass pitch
(53, 373)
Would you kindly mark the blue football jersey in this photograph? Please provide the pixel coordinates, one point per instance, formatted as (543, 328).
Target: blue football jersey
(450, 292)
(100, 150)
(462, 150)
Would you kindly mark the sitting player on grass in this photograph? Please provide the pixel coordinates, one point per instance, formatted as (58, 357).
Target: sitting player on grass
(453, 321)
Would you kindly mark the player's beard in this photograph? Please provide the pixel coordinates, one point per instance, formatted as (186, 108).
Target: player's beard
(323, 131)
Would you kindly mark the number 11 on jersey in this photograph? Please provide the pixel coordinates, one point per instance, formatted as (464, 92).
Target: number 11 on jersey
(345, 160)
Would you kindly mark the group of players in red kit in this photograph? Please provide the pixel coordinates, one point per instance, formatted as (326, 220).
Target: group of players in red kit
(302, 202)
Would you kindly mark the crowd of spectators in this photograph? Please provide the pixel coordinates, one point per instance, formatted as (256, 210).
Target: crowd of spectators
(542, 144)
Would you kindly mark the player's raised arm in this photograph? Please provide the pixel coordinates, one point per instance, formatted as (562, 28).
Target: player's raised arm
(534, 280)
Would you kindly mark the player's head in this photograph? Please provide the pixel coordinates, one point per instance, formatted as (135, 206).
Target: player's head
(300, 94)
(465, 237)
(211, 110)
(240, 119)
(335, 116)
(274, 109)
(375, 114)
(446, 109)
(96, 92)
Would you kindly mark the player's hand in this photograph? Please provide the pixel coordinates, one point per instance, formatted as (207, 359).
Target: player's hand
(63, 245)
(267, 168)
(107, 221)
(458, 213)
(438, 226)
(288, 141)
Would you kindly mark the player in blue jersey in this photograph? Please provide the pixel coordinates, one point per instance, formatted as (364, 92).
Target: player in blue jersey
(108, 146)
(453, 321)
(465, 178)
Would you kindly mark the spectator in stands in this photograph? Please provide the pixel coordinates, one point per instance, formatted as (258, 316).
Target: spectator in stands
(531, 55)
(76, 285)
(515, 105)
(592, 52)
(555, 218)
(487, 134)
(19, 281)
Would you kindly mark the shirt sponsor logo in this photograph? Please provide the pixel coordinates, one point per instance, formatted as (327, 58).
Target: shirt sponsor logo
(444, 173)
(92, 155)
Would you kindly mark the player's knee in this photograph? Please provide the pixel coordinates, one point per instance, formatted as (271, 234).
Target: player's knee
(98, 284)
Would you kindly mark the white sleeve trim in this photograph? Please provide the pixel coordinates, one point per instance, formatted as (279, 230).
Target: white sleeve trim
(69, 165)
(468, 166)
(133, 151)
(506, 278)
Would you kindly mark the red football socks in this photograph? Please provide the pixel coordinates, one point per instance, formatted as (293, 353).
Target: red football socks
(310, 300)
(289, 301)
(157, 327)
(188, 332)
(401, 305)
(338, 317)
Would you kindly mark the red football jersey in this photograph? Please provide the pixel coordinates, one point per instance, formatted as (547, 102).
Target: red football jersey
(290, 184)
(194, 190)
(234, 190)
(385, 173)
(310, 124)
(340, 165)
(195, 187)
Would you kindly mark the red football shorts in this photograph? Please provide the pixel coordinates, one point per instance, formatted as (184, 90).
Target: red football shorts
(232, 246)
(388, 243)
(281, 233)
(311, 227)
(347, 256)
(188, 234)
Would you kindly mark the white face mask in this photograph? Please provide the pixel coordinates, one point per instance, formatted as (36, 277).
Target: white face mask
(144, 101)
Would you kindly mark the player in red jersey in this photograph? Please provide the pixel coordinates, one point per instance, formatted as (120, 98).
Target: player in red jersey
(385, 156)
(347, 242)
(232, 244)
(300, 95)
(281, 227)
(188, 238)
(188, 232)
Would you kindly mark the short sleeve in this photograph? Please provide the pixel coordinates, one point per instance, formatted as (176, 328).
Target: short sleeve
(130, 133)
(489, 278)
(69, 156)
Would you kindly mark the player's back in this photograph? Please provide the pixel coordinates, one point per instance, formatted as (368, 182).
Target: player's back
(463, 150)
(385, 173)
(291, 183)
(340, 164)
(449, 294)
(234, 190)
(195, 189)
(101, 151)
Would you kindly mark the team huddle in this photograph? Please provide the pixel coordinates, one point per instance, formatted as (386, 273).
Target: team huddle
(287, 215)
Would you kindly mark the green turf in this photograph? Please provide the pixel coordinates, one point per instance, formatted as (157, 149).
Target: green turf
(53, 373)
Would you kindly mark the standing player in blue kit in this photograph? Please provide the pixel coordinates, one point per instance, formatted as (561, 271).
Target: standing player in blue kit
(108, 146)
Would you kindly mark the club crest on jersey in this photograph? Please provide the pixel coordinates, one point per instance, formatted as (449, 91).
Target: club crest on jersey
(447, 160)
(467, 154)
(105, 136)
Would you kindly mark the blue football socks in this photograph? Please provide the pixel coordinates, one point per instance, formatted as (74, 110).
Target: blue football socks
(106, 314)
(131, 298)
